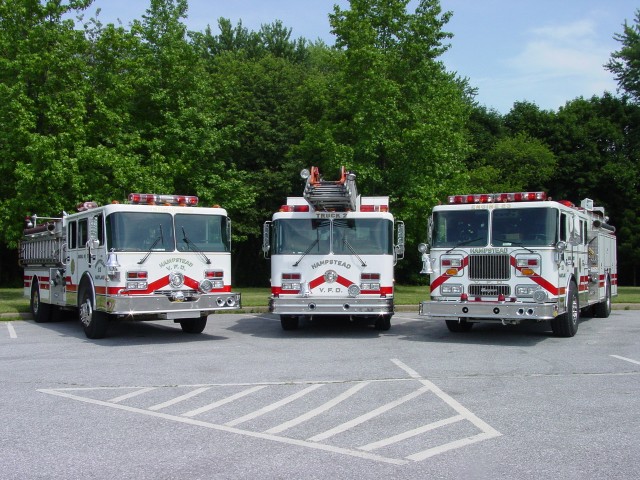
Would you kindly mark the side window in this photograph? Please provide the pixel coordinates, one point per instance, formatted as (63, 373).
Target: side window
(100, 229)
(72, 235)
(563, 227)
(83, 232)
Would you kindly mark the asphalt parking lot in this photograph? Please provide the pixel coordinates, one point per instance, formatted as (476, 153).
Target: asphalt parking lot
(330, 400)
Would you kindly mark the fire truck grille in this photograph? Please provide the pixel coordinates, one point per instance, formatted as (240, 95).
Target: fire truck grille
(489, 290)
(167, 293)
(489, 267)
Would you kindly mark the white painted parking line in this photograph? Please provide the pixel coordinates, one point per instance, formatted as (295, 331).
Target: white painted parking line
(135, 393)
(367, 416)
(488, 430)
(417, 457)
(410, 433)
(413, 445)
(179, 399)
(317, 411)
(12, 331)
(626, 359)
(224, 401)
(273, 406)
(224, 428)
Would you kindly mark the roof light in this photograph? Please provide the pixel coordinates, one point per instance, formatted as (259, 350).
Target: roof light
(294, 208)
(153, 199)
(374, 208)
(496, 197)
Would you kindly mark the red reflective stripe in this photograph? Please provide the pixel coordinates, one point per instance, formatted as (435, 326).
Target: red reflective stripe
(316, 281)
(547, 285)
(345, 282)
(438, 281)
(443, 278)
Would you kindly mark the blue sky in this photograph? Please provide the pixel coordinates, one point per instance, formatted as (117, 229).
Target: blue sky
(543, 51)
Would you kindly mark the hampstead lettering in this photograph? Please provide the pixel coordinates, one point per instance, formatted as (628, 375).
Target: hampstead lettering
(176, 262)
(338, 263)
(489, 250)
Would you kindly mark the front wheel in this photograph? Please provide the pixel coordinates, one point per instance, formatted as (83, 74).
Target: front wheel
(566, 325)
(289, 322)
(383, 322)
(193, 325)
(93, 322)
(458, 326)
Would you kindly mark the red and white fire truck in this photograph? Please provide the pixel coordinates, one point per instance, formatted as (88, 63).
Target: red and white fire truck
(155, 257)
(510, 257)
(333, 253)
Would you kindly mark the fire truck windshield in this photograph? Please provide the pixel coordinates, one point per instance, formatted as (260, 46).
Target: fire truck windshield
(339, 236)
(453, 228)
(532, 227)
(155, 232)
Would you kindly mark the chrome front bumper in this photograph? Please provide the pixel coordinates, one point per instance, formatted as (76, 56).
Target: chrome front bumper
(489, 311)
(161, 307)
(331, 306)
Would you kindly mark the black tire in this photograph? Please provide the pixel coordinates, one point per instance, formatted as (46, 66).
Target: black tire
(94, 323)
(566, 325)
(193, 325)
(603, 309)
(289, 322)
(41, 311)
(383, 322)
(458, 326)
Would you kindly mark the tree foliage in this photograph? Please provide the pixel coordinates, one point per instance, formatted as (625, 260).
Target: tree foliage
(625, 63)
(94, 111)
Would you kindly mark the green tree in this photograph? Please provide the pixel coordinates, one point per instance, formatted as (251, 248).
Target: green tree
(625, 63)
(42, 110)
(396, 116)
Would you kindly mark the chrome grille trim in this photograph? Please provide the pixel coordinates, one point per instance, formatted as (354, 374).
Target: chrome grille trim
(489, 290)
(167, 293)
(489, 267)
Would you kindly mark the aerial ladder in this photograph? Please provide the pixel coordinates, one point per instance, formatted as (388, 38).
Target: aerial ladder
(337, 195)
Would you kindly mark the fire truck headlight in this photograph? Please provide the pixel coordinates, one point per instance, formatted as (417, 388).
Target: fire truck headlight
(206, 286)
(453, 290)
(561, 246)
(525, 290)
(353, 290)
(540, 296)
(136, 285)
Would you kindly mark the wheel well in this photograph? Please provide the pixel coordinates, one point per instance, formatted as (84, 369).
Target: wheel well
(86, 283)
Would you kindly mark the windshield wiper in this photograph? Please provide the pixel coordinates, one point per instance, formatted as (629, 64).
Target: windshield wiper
(462, 244)
(315, 242)
(518, 244)
(193, 247)
(153, 245)
(344, 241)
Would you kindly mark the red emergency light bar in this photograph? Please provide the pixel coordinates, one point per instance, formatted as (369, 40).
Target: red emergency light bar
(497, 197)
(294, 208)
(153, 199)
(374, 208)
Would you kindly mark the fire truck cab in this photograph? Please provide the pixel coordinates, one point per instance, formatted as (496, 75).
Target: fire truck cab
(511, 257)
(333, 253)
(155, 257)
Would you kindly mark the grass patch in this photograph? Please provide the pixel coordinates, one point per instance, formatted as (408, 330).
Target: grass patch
(627, 295)
(12, 301)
